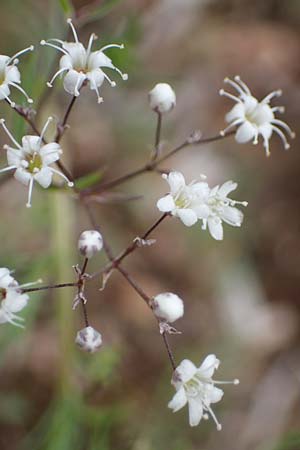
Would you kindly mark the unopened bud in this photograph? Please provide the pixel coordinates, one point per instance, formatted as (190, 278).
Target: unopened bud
(168, 307)
(162, 98)
(88, 339)
(89, 243)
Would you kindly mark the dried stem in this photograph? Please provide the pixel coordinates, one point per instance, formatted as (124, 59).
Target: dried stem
(51, 286)
(157, 136)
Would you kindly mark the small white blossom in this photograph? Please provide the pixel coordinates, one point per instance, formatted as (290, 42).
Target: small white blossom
(167, 307)
(82, 65)
(253, 118)
(12, 300)
(90, 242)
(32, 159)
(196, 201)
(10, 76)
(195, 387)
(220, 209)
(183, 200)
(89, 339)
(162, 98)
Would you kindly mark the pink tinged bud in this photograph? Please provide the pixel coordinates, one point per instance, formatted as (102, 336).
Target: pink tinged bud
(88, 339)
(89, 243)
(162, 98)
(167, 307)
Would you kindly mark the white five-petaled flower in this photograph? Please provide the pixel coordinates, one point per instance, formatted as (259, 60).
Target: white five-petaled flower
(253, 118)
(10, 76)
(12, 300)
(220, 209)
(32, 159)
(196, 387)
(82, 65)
(196, 201)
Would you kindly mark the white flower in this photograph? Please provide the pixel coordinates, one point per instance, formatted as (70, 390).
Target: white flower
(195, 387)
(89, 339)
(12, 300)
(10, 75)
(196, 201)
(89, 243)
(82, 65)
(220, 209)
(254, 118)
(167, 306)
(162, 98)
(31, 160)
(182, 201)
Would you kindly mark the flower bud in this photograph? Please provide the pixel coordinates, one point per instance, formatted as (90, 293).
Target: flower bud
(89, 243)
(88, 339)
(167, 306)
(162, 98)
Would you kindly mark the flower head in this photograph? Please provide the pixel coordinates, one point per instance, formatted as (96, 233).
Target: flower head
(12, 300)
(89, 339)
(254, 118)
(182, 200)
(90, 242)
(32, 159)
(196, 201)
(162, 98)
(10, 76)
(220, 209)
(81, 65)
(196, 387)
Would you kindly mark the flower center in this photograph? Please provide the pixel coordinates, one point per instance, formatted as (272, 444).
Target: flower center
(2, 294)
(35, 162)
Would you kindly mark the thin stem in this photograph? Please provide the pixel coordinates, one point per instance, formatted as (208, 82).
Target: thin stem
(157, 136)
(147, 300)
(80, 291)
(62, 126)
(152, 165)
(115, 262)
(51, 286)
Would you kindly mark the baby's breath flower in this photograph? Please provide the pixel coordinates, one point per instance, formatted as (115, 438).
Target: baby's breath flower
(162, 98)
(196, 387)
(196, 201)
(32, 159)
(12, 300)
(81, 65)
(89, 339)
(10, 76)
(253, 118)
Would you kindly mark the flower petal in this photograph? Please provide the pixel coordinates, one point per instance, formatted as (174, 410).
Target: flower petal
(96, 78)
(178, 401)
(187, 216)
(44, 177)
(226, 188)
(73, 82)
(184, 372)
(237, 112)
(232, 216)
(195, 411)
(23, 176)
(208, 366)
(245, 133)
(166, 203)
(215, 228)
(176, 182)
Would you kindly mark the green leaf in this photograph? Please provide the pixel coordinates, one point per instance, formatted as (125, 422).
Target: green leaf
(88, 180)
(67, 7)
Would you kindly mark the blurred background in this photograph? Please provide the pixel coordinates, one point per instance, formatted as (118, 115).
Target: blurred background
(241, 295)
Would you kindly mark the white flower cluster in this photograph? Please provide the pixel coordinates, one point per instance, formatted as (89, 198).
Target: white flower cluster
(32, 159)
(197, 201)
(12, 300)
(254, 118)
(80, 65)
(196, 387)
